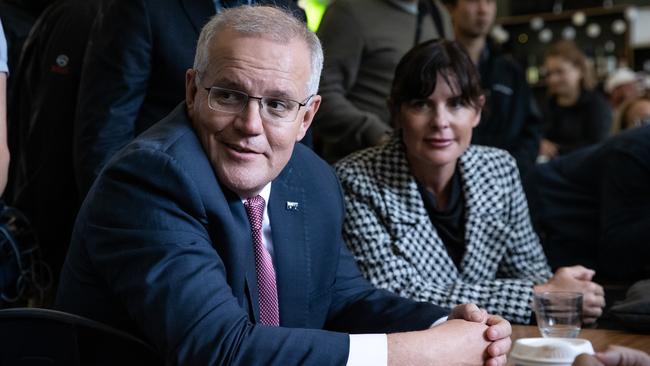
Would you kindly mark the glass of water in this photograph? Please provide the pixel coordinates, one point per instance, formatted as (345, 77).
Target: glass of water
(559, 314)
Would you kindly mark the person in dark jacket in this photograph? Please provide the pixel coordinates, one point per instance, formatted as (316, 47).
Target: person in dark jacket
(511, 120)
(593, 206)
(41, 116)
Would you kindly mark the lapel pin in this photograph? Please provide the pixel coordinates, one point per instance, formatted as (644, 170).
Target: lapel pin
(292, 206)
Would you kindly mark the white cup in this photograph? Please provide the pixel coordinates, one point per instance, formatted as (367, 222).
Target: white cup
(548, 351)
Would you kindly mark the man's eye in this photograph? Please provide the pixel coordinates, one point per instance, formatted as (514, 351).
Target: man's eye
(277, 105)
(225, 96)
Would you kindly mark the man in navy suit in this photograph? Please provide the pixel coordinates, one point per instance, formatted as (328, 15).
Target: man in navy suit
(217, 238)
(133, 72)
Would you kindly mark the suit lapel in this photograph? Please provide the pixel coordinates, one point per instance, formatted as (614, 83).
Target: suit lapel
(240, 252)
(226, 220)
(199, 12)
(287, 211)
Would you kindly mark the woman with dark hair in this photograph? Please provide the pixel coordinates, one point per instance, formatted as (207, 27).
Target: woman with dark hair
(575, 115)
(434, 219)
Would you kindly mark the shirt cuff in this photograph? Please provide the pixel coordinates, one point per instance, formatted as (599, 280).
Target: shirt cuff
(368, 350)
(439, 321)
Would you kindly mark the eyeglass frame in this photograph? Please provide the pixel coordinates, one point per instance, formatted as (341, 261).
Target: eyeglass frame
(259, 101)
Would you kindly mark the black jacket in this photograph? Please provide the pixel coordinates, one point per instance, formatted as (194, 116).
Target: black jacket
(511, 119)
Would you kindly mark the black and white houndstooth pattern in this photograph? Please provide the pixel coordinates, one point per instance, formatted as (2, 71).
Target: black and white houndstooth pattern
(397, 248)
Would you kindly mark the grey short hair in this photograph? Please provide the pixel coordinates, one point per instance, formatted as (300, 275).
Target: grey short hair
(273, 23)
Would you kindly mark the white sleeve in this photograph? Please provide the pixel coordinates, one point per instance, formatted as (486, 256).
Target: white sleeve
(368, 350)
(3, 51)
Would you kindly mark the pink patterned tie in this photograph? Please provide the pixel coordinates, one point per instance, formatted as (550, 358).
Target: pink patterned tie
(268, 291)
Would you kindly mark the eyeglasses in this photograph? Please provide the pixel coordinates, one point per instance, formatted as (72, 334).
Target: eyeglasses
(272, 109)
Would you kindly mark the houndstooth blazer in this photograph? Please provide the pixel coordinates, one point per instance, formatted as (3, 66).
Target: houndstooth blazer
(389, 231)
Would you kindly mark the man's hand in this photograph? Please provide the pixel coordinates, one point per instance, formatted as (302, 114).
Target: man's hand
(614, 356)
(499, 330)
(470, 337)
(578, 279)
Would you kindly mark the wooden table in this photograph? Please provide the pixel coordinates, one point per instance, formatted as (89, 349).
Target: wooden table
(600, 338)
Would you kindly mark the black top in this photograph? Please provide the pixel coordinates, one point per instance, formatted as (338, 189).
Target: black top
(450, 221)
(585, 123)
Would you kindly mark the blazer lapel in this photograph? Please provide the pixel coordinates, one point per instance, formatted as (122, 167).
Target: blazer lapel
(406, 211)
(480, 205)
(287, 214)
(199, 12)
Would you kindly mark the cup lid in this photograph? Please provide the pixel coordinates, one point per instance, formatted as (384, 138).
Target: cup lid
(550, 350)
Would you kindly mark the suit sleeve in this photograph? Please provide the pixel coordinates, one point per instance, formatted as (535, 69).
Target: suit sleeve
(338, 119)
(148, 239)
(113, 85)
(387, 268)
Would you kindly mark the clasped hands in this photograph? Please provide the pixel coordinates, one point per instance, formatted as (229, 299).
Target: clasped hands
(470, 336)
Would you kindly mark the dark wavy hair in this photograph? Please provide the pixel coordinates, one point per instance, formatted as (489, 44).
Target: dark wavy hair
(416, 74)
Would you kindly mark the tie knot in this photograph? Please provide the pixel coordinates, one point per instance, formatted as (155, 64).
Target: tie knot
(255, 211)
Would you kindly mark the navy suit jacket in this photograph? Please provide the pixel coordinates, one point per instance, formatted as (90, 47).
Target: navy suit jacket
(134, 73)
(161, 249)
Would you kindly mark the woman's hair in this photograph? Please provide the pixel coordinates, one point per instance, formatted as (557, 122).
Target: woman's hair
(417, 72)
(570, 52)
(621, 122)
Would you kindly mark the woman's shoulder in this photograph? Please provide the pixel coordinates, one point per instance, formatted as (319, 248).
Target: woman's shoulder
(487, 154)
(373, 163)
(488, 160)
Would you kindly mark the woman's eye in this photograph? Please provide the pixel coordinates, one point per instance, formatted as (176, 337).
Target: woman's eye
(419, 105)
(455, 103)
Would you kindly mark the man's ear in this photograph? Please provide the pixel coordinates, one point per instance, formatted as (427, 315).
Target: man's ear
(190, 88)
(308, 117)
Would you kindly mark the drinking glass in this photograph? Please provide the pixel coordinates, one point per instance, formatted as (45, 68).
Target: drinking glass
(559, 314)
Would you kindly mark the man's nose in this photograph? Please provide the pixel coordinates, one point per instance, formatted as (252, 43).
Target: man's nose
(250, 119)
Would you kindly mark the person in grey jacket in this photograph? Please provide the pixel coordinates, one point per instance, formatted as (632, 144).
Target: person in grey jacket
(434, 219)
(363, 42)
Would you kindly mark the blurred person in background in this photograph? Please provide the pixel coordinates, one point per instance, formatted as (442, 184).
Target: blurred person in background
(41, 116)
(511, 119)
(576, 115)
(621, 86)
(633, 113)
(363, 42)
(592, 207)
